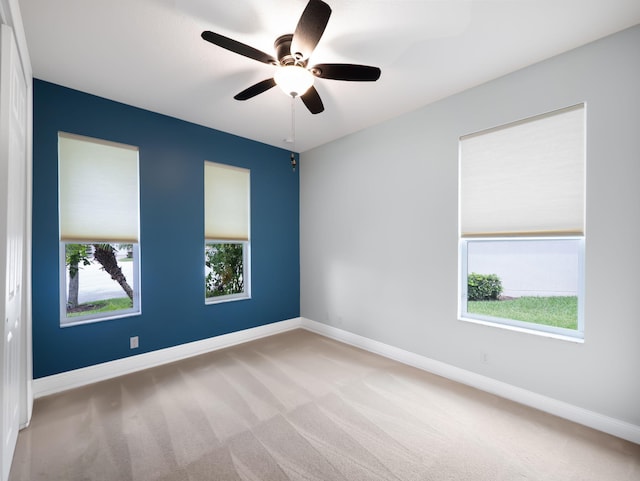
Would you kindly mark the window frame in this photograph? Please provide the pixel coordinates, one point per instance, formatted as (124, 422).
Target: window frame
(225, 229)
(522, 326)
(101, 316)
(246, 274)
(562, 202)
(76, 226)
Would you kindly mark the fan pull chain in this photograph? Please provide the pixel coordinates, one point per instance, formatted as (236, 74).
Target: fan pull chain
(293, 133)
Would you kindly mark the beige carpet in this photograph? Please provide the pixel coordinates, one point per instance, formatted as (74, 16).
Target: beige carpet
(297, 406)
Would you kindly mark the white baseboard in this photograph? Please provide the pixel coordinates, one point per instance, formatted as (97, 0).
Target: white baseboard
(100, 372)
(600, 422)
(80, 377)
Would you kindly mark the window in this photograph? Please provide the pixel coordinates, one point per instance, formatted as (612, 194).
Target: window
(522, 189)
(99, 240)
(226, 226)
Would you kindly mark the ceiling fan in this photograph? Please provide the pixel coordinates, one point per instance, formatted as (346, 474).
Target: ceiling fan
(293, 52)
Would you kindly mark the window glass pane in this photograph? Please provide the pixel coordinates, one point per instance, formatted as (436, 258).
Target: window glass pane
(533, 281)
(100, 281)
(225, 269)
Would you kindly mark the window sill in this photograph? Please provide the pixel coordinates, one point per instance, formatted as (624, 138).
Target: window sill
(535, 332)
(223, 299)
(69, 322)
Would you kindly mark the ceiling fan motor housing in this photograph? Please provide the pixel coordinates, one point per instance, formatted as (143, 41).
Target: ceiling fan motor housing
(283, 50)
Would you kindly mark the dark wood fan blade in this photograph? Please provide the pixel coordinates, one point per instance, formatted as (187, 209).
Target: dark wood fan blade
(256, 89)
(238, 47)
(346, 71)
(310, 28)
(311, 98)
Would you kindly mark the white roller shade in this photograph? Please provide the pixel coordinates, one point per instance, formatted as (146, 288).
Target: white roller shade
(525, 178)
(99, 198)
(226, 202)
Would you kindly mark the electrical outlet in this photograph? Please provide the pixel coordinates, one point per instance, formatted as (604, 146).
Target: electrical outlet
(133, 342)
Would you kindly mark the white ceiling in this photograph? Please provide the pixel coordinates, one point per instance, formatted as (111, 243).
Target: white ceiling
(149, 53)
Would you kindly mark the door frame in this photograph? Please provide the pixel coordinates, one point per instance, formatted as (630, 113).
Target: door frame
(10, 15)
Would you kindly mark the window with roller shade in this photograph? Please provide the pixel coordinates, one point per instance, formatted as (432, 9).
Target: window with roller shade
(522, 224)
(99, 229)
(226, 226)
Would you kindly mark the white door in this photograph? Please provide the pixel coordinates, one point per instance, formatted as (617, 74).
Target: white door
(12, 226)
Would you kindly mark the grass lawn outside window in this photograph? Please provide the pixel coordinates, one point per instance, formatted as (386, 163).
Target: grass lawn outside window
(559, 311)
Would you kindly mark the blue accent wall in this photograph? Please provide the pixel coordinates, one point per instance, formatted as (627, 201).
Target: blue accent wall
(171, 155)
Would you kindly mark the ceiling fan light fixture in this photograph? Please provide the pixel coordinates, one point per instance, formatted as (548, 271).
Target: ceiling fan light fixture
(293, 79)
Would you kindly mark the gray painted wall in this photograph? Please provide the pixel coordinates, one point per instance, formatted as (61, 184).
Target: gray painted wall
(379, 212)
